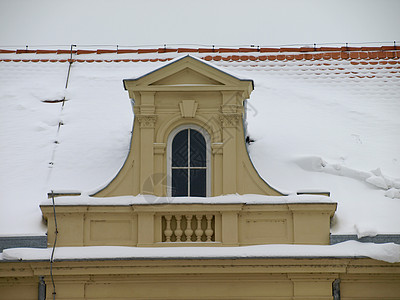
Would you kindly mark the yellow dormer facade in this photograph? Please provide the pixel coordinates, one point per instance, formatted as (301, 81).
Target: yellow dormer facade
(188, 125)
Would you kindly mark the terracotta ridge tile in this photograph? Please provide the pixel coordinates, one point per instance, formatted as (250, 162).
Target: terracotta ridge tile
(124, 51)
(289, 49)
(19, 51)
(249, 50)
(141, 51)
(371, 48)
(385, 48)
(344, 48)
(7, 51)
(101, 51)
(323, 49)
(79, 52)
(66, 51)
(307, 49)
(180, 50)
(231, 50)
(269, 50)
(46, 51)
(207, 50)
(166, 50)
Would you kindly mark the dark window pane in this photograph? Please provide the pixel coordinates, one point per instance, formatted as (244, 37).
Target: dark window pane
(198, 183)
(179, 182)
(180, 149)
(197, 149)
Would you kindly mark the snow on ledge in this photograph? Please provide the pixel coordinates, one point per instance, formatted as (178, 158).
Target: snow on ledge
(350, 249)
(150, 199)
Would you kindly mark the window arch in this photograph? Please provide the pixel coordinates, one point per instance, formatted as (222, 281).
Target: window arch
(188, 162)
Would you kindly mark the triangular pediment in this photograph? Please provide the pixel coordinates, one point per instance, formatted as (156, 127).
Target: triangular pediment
(187, 76)
(188, 73)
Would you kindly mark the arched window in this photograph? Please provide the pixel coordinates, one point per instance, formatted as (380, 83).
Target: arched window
(188, 165)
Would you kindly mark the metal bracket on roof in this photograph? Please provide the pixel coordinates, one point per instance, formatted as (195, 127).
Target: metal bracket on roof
(69, 67)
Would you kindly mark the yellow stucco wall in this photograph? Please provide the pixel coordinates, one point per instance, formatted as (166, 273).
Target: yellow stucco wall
(204, 279)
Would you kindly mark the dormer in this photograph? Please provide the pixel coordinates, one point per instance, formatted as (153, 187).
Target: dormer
(188, 145)
(188, 135)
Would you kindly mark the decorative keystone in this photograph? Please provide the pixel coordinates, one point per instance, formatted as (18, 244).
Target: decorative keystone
(188, 108)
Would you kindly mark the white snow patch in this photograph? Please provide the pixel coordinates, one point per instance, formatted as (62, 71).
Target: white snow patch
(365, 229)
(226, 199)
(386, 252)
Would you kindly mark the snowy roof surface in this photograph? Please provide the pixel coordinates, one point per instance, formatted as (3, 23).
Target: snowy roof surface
(322, 119)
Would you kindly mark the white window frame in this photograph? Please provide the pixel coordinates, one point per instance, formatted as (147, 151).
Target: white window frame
(208, 156)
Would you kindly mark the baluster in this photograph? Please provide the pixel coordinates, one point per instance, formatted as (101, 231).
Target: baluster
(199, 231)
(178, 230)
(189, 230)
(168, 231)
(209, 232)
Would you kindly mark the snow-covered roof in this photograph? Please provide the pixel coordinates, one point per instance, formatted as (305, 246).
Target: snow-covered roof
(322, 119)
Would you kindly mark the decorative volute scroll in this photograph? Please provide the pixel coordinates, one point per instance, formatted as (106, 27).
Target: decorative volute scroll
(187, 92)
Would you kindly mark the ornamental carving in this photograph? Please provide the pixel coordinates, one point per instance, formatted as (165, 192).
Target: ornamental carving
(147, 121)
(230, 120)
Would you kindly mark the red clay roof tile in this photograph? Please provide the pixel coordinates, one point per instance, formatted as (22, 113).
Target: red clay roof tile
(381, 54)
(354, 55)
(327, 55)
(344, 55)
(390, 54)
(281, 57)
(308, 56)
(141, 51)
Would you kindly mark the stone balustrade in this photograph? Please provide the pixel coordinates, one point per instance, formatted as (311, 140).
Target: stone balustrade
(188, 228)
(157, 225)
